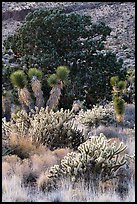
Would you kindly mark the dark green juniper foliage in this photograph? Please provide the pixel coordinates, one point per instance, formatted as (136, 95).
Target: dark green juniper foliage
(50, 38)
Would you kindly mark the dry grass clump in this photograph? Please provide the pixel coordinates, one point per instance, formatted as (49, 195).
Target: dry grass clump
(23, 146)
(9, 165)
(29, 169)
(45, 183)
(81, 193)
(13, 191)
(61, 152)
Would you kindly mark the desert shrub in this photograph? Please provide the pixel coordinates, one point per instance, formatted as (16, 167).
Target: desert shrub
(96, 159)
(23, 147)
(50, 38)
(54, 129)
(97, 115)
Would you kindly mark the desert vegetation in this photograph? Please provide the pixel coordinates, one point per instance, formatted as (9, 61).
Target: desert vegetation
(68, 113)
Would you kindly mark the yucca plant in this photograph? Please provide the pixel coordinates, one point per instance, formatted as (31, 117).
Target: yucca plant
(36, 75)
(121, 85)
(62, 72)
(52, 80)
(56, 82)
(35, 72)
(119, 105)
(55, 94)
(18, 79)
(113, 81)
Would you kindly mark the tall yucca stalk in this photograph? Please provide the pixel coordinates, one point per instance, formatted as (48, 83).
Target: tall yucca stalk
(36, 75)
(56, 81)
(18, 79)
(119, 106)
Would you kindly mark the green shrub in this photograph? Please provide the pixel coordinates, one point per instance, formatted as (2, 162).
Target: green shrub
(50, 38)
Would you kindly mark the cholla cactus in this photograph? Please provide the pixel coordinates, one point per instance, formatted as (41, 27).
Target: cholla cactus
(56, 82)
(18, 80)
(35, 75)
(19, 123)
(96, 158)
(54, 129)
(98, 115)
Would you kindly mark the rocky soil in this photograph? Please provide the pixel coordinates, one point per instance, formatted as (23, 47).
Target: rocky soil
(120, 16)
